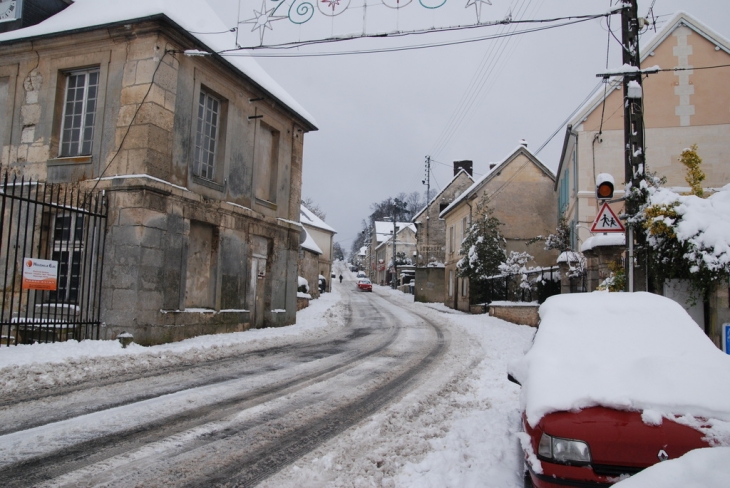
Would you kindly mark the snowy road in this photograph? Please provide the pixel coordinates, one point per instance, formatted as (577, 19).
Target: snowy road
(231, 421)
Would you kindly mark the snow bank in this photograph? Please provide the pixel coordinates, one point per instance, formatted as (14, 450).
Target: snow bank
(38, 366)
(636, 351)
(701, 468)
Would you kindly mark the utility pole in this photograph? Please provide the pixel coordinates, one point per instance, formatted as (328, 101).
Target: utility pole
(634, 159)
(427, 182)
(397, 208)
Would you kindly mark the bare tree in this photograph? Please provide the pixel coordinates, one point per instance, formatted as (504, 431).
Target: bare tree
(314, 208)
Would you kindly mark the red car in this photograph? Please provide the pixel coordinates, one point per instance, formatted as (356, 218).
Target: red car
(615, 383)
(364, 284)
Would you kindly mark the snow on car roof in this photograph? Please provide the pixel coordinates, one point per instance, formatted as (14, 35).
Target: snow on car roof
(629, 351)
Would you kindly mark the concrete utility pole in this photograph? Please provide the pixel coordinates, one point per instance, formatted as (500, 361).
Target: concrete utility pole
(635, 167)
(427, 182)
(398, 206)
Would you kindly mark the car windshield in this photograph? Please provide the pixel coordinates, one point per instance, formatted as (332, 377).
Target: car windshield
(629, 351)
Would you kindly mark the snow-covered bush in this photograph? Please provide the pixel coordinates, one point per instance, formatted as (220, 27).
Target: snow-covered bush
(302, 285)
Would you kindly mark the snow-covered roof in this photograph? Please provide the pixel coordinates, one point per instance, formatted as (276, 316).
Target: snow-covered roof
(438, 195)
(363, 251)
(386, 242)
(309, 244)
(307, 217)
(630, 351)
(194, 16)
(496, 168)
(384, 230)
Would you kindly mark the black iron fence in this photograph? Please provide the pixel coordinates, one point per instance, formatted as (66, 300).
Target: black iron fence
(535, 285)
(51, 261)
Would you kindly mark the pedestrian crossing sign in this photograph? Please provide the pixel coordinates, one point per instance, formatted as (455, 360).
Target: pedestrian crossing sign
(607, 221)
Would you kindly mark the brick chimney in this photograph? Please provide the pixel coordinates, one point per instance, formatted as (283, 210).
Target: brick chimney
(466, 165)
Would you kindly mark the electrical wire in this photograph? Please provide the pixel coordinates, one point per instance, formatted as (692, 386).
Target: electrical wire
(235, 52)
(488, 65)
(506, 21)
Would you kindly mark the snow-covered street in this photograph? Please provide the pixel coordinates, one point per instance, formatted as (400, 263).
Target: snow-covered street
(424, 402)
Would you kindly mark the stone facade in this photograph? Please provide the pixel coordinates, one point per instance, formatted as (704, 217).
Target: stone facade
(187, 252)
(431, 235)
(429, 285)
(520, 191)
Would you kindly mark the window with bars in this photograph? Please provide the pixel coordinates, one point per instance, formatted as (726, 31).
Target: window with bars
(206, 139)
(79, 113)
(67, 249)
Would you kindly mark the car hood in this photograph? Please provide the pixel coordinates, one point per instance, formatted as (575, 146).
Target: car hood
(621, 438)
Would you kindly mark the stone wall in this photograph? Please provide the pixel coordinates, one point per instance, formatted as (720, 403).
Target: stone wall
(517, 313)
(429, 285)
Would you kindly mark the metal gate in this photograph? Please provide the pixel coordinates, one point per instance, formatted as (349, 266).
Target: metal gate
(51, 261)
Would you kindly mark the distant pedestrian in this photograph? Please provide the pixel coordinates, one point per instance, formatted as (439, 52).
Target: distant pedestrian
(340, 278)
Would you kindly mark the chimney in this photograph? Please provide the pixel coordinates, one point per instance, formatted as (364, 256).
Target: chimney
(466, 165)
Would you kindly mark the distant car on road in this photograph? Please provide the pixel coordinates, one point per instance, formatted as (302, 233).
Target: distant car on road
(333, 275)
(615, 383)
(364, 284)
(361, 274)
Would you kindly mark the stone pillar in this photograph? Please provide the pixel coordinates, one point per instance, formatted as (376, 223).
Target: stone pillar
(597, 266)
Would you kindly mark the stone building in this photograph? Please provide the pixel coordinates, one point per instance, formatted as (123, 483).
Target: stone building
(520, 192)
(431, 236)
(200, 158)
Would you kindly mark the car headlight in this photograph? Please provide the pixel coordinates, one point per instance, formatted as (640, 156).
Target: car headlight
(563, 450)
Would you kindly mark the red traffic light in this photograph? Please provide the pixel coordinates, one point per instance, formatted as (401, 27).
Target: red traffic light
(604, 186)
(604, 190)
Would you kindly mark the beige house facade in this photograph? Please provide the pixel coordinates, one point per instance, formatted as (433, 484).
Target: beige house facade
(681, 108)
(200, 159)
(405, 243)
(520, 192)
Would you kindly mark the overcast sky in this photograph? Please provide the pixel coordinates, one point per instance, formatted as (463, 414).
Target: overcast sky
(380, 114)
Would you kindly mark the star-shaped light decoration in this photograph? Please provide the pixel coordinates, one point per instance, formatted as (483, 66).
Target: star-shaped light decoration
(332, 3)
(262, 20)
(478, 6)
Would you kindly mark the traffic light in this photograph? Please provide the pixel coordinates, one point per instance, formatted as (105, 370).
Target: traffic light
(604, 186)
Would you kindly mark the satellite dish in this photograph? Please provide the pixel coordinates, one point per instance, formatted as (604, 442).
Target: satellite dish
(302, 236)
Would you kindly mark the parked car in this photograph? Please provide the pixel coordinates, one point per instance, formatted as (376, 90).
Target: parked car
(364, 284)
(615, 383)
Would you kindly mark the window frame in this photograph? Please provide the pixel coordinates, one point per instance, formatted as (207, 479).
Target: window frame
(82, 138)
(205, 83)
(208, 120)
(274, 163)
(61, 65)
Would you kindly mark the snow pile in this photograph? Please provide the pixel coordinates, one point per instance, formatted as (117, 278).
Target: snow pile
(701, 468)
(637, 351)
(31, 367)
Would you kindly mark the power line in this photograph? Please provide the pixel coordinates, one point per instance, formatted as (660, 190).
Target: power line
(237, 51)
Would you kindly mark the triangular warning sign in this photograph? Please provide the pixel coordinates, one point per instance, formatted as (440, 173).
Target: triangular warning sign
(606, 221)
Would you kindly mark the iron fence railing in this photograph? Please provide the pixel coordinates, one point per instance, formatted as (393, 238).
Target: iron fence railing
(539, 284)
(52, 240)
